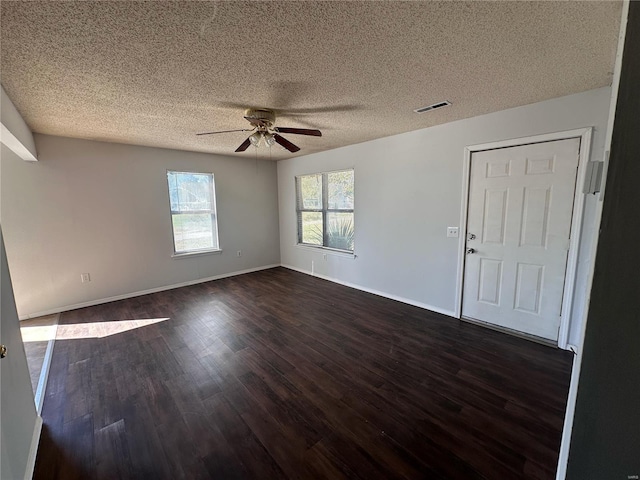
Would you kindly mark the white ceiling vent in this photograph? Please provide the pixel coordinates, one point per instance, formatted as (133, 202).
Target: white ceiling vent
(432, 107)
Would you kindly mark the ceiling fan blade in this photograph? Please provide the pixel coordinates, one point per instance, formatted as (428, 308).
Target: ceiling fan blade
(286, 143)
(225, 131)
(244, 145)
(299, 131)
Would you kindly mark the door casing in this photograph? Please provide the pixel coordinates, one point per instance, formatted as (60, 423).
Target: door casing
(585, 135)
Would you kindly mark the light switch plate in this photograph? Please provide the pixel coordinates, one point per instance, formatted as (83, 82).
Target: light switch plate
(452, 232)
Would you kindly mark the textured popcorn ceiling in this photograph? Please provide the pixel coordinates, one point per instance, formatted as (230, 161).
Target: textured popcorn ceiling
(156, 73)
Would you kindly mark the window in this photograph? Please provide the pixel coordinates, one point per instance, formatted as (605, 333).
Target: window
(325, 209)
(193, 212)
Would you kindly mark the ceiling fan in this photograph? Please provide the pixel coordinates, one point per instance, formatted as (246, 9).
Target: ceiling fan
(262, 120)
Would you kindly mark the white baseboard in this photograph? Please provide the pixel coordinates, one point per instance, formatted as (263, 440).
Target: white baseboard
(91, 303)
(124, 296)
(33, 450)
(443, 311)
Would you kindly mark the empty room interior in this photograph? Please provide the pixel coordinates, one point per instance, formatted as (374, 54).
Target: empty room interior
(282, 239)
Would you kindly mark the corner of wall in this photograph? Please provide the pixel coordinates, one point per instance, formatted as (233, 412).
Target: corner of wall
(15, 133)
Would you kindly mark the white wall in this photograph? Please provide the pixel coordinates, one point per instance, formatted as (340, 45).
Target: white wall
(408, 189)
(103, 208)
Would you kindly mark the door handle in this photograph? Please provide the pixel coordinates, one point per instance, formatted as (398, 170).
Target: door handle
(471, 250)
(3, 351)
(471, 236)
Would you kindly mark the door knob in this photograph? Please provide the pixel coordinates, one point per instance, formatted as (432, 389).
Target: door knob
(471, 236)
(471, 250)
(3, 351)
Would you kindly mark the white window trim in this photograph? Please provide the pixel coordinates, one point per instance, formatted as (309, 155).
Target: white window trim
(204, 251)
(328, 250)
(197, 252)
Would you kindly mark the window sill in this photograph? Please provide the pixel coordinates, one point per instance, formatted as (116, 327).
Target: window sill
(327, 250)
(199, 252)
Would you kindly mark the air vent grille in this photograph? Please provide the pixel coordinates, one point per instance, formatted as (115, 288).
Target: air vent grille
(432, 107)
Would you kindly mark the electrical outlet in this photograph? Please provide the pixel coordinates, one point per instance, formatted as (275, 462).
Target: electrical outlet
(452, 232)
(85, 277)
(239, 253)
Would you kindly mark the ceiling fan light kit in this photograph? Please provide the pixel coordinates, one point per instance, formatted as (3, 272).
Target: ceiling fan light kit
(262, 120)
(269, 139)
(255, 138)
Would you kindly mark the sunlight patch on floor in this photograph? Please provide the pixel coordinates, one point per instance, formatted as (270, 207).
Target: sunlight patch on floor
(41, 329)
(102, 329)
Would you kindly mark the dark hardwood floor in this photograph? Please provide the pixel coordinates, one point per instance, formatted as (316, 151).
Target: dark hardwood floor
(277, 374)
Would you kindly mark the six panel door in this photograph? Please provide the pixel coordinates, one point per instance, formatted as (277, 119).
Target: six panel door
(519, 222)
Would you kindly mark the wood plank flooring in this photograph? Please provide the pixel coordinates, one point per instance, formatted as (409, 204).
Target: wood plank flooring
(277, 374)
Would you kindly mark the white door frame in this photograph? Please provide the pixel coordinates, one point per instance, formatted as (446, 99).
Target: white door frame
(576, 220)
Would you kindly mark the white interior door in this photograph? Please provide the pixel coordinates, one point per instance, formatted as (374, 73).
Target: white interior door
(18, 417)
(518, 226)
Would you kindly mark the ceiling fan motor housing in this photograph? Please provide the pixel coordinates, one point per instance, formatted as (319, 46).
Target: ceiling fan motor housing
(261, 117)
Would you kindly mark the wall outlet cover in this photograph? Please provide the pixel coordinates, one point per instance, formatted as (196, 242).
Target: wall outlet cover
(452, 232)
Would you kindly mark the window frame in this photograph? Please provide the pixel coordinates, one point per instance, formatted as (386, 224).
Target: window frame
(213, 212)
(324, 211)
